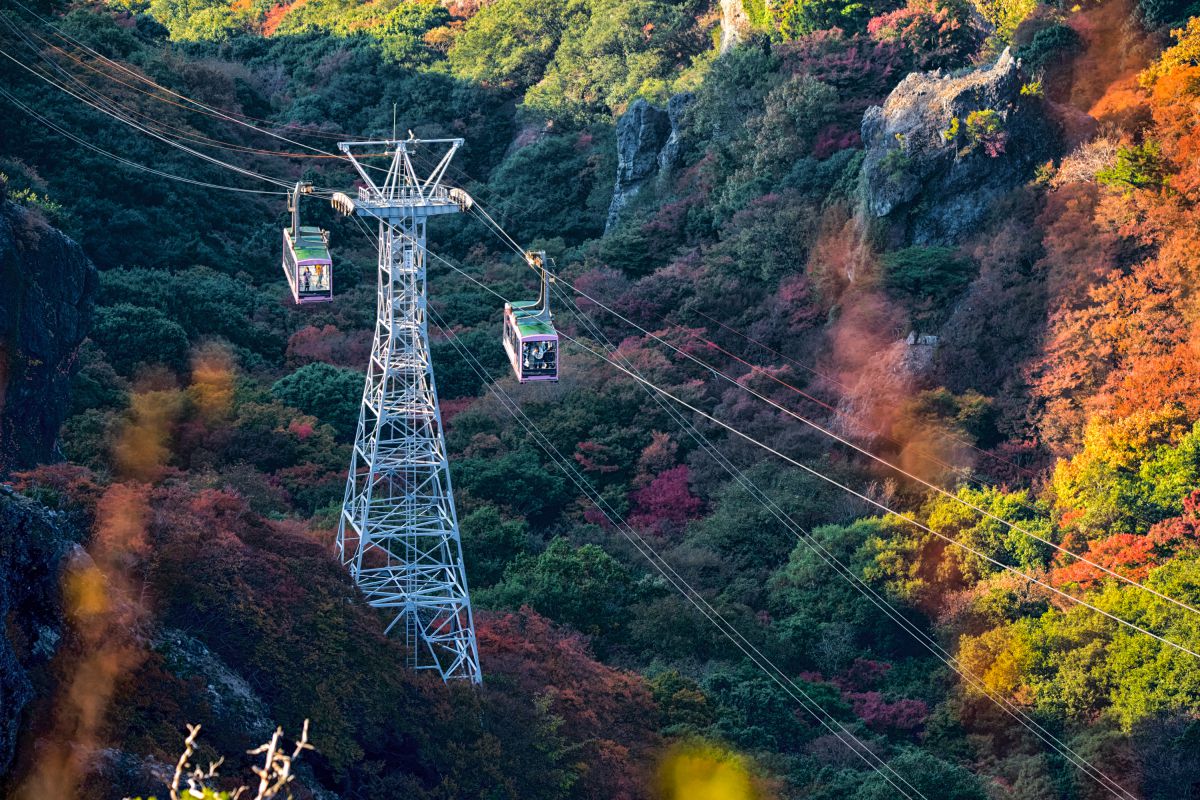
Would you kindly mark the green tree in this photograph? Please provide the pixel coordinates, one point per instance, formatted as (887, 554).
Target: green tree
(1005, 15)
(793, 113)
(132, 336)
(490, 543)
(796, 18)
(516, 481)
(756, 713)
(1139, 166)
(621, 50)
(928, 774)
(926, 279)
(583, 587)
(331, 394)
(1130, 474)
(455, 375)
(822, 620)
(564, 188)
(511, 42)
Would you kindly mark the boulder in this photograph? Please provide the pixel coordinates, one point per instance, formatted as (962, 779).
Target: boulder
(931, 169)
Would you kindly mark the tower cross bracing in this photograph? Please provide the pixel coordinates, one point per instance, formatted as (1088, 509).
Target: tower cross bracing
(398, 534)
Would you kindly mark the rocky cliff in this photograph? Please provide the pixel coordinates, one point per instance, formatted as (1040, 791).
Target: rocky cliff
(943, 147)
(45, 312)
(34, 544)
(648, 142)
(735, 24)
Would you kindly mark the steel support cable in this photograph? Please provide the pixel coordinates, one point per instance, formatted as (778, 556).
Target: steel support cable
(198, 106)
(755, 368)
(886, 509)
(1006, 705)
(512, 244)
(865, 589)
(120, 118)
(184, 133)
(678, 582)
(317, 152)
(927, 484)
(647, 550)
(821, 429)
(162, 127)
(195, 105)
(106, 106)
(812, 370)
(504, 237)
(951, 540)
(127, 162)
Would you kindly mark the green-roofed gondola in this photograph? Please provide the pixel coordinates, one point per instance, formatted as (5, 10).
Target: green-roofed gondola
(529, 335)
(306, 261)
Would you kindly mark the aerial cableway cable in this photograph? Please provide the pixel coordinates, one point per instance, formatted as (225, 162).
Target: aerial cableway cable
(664, 567)
(793, 690)
(183, 133)
(829, 378)
(882, 507)
(127, 162)
(188, 104)
(196, 105)
(816, 473)
(489, 222)
(887, 510)
(508, 241)
(1007, 706)
(831, 434)
(120, 117)
(865, 589)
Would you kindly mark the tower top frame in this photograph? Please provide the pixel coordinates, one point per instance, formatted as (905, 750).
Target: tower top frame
(402, 192)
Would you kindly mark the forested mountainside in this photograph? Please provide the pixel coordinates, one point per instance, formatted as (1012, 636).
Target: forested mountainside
(921, 520)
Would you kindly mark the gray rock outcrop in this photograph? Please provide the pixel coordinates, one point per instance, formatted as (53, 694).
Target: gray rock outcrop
(641, 133)
(929, 172)
(648, 144)
(34, 545)
(735, 24)
(46, 300)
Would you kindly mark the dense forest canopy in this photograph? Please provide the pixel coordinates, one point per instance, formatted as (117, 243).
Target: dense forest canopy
(926, 523)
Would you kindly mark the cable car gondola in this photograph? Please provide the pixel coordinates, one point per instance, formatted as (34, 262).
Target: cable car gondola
(306, 261)
(529, 336)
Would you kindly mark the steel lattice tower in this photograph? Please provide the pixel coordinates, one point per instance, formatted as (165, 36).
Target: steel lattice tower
(398, 533)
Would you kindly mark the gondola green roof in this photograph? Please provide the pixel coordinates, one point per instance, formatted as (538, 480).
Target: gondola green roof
(528, 323)
(311, 245)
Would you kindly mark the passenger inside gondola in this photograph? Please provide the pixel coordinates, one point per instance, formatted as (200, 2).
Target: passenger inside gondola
(540, 358)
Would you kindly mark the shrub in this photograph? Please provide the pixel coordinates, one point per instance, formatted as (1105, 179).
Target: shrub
(934, 33)
(132, 336)
(331, 394)
(985, 128)
(1137, 166)
(925, 279)
(1050, 46)
(1005, 15)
